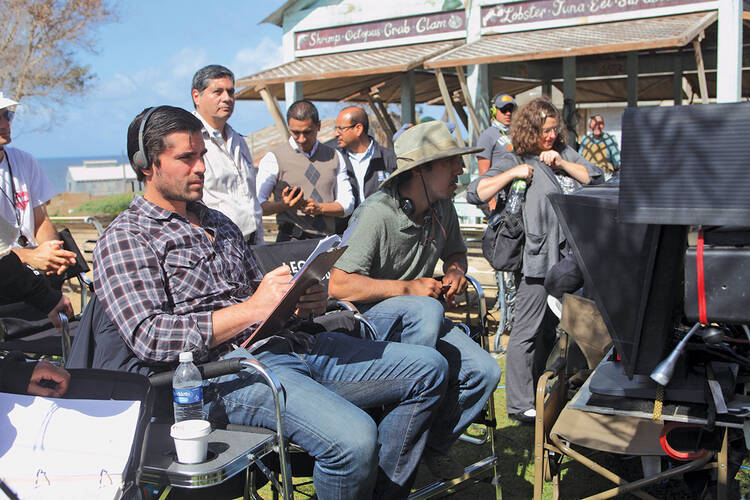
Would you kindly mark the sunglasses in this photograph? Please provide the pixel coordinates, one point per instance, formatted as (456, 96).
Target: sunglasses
(7, 114)
(507, 109)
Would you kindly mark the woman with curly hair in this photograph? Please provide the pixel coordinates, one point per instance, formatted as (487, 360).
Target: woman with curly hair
(540, 156)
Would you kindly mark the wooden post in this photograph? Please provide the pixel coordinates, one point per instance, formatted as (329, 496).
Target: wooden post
(547, 87)
(381, 120)
(384, 112)
(631, 66)
(677, 81)
(461, 113)
(701, 69)
(448, 103)
(273, 107)
(468, 102)
(408, 102)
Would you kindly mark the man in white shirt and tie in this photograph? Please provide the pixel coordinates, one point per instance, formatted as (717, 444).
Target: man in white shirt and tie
(229, 183)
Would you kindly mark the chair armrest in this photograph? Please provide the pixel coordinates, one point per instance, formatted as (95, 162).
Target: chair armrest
(369, 330)
(64, 337)
(555, 368)
(234, 365)
(208, 370)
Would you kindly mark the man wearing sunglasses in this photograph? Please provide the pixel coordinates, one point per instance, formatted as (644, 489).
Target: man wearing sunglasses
(25, 191)
(495, 140)
(600, 148)
(308, 180)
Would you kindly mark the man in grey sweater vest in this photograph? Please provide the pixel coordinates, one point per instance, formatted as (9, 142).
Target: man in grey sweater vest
(308, 180)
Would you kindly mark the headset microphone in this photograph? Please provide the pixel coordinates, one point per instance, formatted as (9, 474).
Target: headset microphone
(140, 158)
(407, 205)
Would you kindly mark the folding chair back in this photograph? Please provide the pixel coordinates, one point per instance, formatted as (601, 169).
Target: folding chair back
(292, 253)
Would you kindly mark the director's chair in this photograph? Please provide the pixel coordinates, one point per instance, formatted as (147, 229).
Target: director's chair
(294, 254)
(562, 430)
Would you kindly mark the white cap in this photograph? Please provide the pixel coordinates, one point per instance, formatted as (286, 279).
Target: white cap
(186, 357)
(5, 102)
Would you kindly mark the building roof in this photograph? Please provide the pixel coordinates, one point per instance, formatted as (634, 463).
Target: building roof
(588, 39)
(344, 75)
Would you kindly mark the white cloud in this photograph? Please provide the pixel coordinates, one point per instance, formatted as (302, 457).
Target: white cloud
(187, 61)
(266, 54)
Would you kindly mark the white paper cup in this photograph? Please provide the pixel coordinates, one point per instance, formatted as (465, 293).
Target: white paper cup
(191, 440)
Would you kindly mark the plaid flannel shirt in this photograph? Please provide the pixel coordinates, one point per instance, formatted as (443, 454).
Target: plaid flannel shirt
(160, 279)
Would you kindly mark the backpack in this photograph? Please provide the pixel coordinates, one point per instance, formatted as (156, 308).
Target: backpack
(503, 239)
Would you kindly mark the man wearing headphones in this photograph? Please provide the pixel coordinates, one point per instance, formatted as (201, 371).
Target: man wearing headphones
(495, 140)
(175, 275)
(387, 271)
(25, 194)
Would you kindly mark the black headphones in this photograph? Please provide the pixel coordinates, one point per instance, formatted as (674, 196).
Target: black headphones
(140, 158)
(407, 205)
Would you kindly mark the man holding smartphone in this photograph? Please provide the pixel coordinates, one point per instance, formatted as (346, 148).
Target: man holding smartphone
(308, 180)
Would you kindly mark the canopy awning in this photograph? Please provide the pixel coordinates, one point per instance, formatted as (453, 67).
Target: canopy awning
(589, 39)
(342, 76)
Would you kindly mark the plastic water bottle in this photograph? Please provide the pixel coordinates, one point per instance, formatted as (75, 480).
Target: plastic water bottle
(187, 390)
(517, 194)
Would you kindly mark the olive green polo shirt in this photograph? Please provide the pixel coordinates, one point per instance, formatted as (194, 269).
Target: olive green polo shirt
(387, 244)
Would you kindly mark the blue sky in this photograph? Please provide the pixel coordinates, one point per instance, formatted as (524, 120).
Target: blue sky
(148, 58)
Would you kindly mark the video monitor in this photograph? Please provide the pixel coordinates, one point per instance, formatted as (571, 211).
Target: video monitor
(685, 165)
(632, 271)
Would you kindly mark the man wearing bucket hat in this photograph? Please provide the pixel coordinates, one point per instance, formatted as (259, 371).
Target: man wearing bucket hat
(25, 191)
(387, 272)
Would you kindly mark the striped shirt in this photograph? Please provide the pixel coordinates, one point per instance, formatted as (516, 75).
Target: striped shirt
(161, 278)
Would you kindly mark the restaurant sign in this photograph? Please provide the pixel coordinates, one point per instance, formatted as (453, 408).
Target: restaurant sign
(386, 33)
(536, 14)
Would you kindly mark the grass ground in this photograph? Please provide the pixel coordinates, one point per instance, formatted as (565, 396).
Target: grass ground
(514, 443)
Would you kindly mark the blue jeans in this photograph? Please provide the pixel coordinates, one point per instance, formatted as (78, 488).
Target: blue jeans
(325, 392)
(472, 373)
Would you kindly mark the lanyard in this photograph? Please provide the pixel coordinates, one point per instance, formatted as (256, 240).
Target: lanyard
(22, 240)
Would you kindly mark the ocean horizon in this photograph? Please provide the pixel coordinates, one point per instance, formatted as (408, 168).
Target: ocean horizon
(56, 169)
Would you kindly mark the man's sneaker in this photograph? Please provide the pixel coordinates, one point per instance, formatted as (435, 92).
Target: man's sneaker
(524, 417)
(442, 466)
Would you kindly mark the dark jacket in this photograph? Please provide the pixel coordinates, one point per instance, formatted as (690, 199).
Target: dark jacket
(382, 163)
(15, 373)
(545, 242)
(19, 283)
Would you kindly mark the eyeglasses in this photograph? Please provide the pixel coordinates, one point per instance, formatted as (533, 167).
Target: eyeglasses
(341, 129)
(507, 109)
(7, 114)
(550, 131)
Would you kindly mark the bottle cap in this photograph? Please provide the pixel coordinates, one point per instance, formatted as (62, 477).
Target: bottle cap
(186, 357)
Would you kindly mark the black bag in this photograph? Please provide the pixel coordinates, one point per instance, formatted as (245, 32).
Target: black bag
(502, 242)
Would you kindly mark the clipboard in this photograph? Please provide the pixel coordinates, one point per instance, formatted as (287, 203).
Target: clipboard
(313, 272)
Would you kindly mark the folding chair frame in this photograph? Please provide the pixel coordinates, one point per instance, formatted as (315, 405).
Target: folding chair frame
(477, 470)
(550, 449)
(149, 475)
